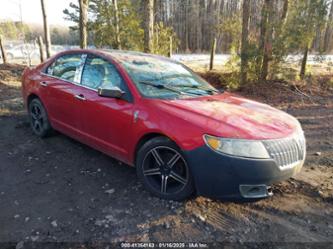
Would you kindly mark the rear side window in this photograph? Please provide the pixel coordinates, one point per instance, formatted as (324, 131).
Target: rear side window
(68, 67)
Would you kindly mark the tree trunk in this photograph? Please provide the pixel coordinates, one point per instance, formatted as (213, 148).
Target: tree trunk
(268, 37)
(212, 55)
(83, 23)
(46, 30)
(317, 42)
(263, 27)
(41, 49)
(187, 26)
(204, 25)
(328, 31)
(219, 9)
(201, 26)
(116, 15)
(158, 11)
(285, 10)
(148, 25)
(170, 47)
(244, 45)
(304, 61)
(3, 51)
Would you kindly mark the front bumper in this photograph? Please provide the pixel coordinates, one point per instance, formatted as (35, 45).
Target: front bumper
(218, 175)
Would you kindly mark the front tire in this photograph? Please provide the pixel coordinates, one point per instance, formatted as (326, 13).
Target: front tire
(163, 169)
(39, 121)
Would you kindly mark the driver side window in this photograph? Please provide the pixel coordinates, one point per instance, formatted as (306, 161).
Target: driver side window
(98, 72)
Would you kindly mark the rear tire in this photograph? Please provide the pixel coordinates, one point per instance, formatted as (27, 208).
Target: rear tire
(162, 168)
(39, 121)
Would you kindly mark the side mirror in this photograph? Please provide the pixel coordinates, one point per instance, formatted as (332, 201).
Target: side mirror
(111, 92)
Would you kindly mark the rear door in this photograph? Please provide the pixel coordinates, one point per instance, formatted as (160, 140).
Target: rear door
(64, 101)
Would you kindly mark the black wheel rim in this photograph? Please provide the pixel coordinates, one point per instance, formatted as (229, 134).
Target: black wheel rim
(165, 170)
(37, 118)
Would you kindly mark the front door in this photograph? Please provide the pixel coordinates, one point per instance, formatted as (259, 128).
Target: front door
(107, 122)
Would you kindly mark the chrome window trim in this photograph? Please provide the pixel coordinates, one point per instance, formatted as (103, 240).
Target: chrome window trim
(81, 68)
(112, 61)
(68, 81)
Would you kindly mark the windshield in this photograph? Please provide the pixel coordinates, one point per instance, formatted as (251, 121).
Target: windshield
(161, 78)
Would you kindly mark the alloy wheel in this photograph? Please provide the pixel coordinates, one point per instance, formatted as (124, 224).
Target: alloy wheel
(38, 117)
(165, 170)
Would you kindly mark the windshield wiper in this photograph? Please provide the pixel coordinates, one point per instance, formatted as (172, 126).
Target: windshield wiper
(192, 86)
(200, 88)
(203, 88)
(165, 86)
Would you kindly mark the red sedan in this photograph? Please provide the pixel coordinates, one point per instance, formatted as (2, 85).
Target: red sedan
(182, 135)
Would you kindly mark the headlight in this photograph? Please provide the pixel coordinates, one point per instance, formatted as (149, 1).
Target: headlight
(237, 147)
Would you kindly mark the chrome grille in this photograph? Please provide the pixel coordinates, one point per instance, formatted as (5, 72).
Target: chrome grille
(287, 151)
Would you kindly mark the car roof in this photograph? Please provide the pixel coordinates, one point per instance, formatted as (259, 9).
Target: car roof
(119, 55)
(123, 55)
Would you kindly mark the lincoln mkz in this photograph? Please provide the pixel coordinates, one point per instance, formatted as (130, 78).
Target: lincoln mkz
(181, 134)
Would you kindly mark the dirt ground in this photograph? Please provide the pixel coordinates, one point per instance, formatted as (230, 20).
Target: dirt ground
(57, 189)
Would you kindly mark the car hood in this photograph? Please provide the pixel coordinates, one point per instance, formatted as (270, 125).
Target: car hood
(231, 116)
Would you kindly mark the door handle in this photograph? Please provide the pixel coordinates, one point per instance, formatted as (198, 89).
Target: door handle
(43, 83)
(80, 97)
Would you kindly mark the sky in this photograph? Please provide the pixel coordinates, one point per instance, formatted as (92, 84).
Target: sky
(31, 11)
